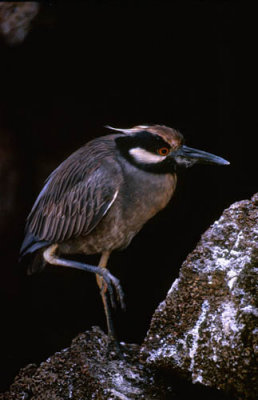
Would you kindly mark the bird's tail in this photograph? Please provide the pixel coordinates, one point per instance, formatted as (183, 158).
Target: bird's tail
(37, 263)
(32, 252)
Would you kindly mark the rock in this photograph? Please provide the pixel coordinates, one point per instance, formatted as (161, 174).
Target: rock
(86, 370)
(15, 19)
(89, 370)
(206, 329)
(204, 332)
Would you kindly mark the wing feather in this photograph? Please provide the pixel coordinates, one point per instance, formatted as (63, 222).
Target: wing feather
(76, 196)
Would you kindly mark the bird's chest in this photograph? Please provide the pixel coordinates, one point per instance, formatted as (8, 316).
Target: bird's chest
(141, 199)
(137, 202)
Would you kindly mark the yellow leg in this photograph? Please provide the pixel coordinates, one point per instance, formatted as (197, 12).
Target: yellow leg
(103, 289)
(103, 264)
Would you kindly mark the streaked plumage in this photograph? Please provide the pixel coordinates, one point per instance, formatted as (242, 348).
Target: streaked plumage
(100, 197)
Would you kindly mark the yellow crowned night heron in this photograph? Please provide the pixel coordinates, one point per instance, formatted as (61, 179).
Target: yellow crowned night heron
(101, 196)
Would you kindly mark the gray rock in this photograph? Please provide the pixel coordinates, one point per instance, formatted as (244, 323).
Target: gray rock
(88, 370)
(204, 332)
(206, 329)
(15, 19)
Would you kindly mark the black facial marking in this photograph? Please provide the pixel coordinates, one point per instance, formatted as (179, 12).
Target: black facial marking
(150, 142)
(144, 139)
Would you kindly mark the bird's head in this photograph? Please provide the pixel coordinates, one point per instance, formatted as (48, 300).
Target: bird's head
(160, 149)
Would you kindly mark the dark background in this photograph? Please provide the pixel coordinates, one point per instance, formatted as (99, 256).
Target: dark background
(85, 65)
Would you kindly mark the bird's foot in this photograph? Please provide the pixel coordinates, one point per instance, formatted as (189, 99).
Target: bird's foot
(111, 281)
(114, 350)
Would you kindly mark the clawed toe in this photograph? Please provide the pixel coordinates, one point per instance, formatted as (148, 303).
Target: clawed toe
(112, 280)
(119, 293)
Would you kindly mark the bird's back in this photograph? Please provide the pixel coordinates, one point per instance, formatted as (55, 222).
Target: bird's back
(75, 196)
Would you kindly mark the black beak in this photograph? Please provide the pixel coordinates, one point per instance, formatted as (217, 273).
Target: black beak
(187, 156)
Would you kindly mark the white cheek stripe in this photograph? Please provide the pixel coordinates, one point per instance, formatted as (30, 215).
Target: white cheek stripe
(143, 156)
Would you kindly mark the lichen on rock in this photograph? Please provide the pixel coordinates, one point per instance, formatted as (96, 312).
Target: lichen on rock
(88, 369)
(204, 332)
(206, 327)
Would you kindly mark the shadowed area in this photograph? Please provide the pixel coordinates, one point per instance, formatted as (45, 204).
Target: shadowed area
(84, 66)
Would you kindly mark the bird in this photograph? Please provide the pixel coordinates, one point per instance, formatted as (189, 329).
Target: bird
(101, 196)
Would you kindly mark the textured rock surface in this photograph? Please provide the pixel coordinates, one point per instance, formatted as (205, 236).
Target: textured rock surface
(206, 328)
(85, 371)
(15, 19)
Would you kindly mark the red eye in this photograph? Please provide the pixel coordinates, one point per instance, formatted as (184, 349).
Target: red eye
(163, 151)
